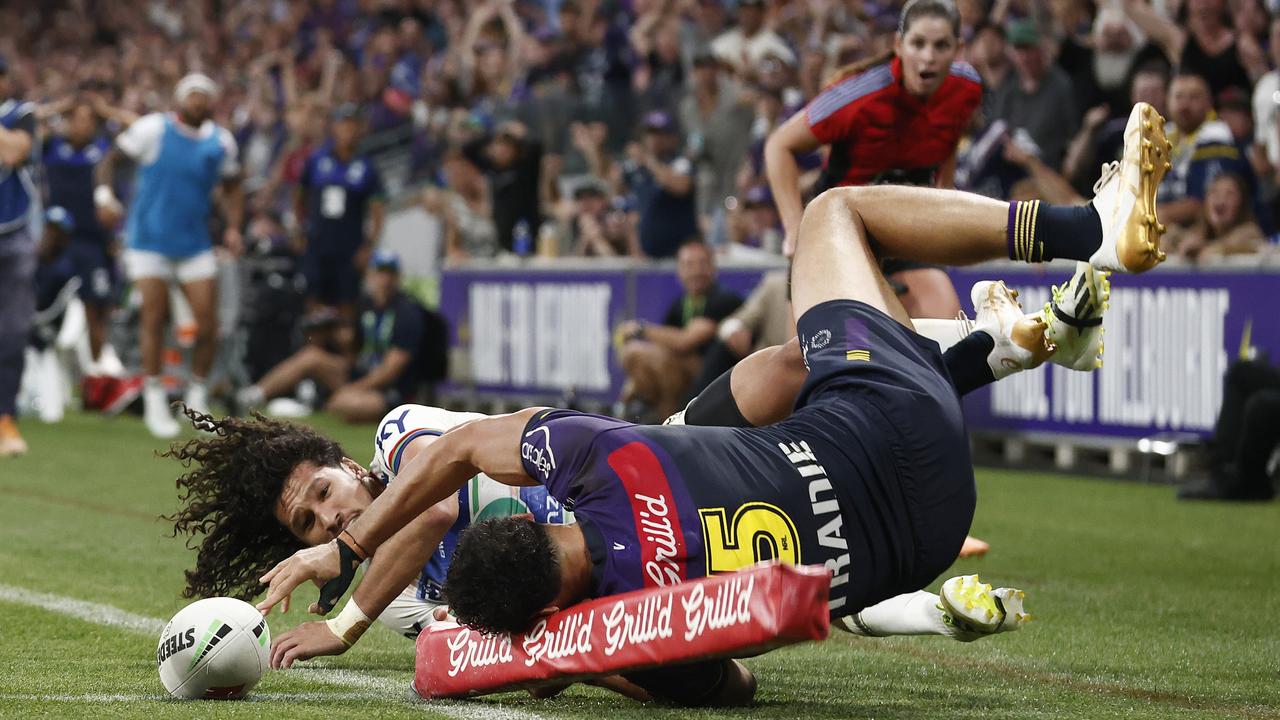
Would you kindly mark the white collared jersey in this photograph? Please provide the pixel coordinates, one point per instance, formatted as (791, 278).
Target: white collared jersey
(481, 498)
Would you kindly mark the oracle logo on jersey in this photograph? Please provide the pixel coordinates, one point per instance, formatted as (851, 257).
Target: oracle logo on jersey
(662, 547)
(538, 457)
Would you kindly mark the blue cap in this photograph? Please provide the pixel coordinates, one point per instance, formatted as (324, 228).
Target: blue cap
(385, 260)
(58, 215)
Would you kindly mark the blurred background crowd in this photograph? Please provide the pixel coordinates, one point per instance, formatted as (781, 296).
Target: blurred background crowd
(596, 128)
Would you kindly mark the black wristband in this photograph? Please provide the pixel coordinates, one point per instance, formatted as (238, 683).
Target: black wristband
(332, 591)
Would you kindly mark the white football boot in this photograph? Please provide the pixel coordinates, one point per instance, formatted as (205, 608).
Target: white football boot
(1125, 196)
(1073, 318)
(1019, 338)
(972, 610)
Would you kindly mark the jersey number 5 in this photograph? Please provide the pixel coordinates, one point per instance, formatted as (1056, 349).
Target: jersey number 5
(758, 531)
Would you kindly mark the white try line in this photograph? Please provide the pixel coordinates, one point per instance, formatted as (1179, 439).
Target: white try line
(93, 612)
(365, 686)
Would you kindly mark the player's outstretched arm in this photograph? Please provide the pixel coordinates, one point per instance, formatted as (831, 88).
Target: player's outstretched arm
(488, 445)
(390, 571)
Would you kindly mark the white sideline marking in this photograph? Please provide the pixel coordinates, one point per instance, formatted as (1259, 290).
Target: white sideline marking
(367, 686)
(83, 610)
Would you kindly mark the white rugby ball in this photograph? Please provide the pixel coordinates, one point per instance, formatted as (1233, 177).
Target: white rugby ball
(216, 648)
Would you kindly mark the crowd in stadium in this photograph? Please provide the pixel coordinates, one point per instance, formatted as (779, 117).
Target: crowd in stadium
(597, 128)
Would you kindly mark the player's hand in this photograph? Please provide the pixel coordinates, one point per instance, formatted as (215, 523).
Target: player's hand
(304, 642)
(317, 564)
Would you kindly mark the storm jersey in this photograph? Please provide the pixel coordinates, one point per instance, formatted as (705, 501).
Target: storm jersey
(482, 497)
(662, 505)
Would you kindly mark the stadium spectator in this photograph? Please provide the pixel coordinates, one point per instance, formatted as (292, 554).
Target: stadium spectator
(661, 178)
(341, 196)
(463, 207)
(600, 228)
(383, 370)
(17, 253)
(1245, 447)
(182, 157)
(1039, 99)
(512, 161)
(1202, 148)
(763, 320)
(1226, 225)
(660, 361)
(1200, 41)
(1101, 135)
(988, 52)
(1117, 42)
(745, 46)
(756, 223)
(1266, 111)
(716, 115)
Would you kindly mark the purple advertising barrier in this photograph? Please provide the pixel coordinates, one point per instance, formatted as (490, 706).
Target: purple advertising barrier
(1170, 336)
(529, 332)
(534, 331)
(657, 289)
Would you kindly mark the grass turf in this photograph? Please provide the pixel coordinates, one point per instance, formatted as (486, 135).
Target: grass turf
(1145, 607)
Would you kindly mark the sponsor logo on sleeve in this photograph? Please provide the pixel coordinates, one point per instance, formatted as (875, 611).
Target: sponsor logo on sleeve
(536, 451)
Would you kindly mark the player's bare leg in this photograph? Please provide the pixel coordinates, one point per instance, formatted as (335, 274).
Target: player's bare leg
(202, 296)
(930, 293)
(1118, 230)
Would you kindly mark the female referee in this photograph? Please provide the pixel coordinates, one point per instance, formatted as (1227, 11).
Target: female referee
(892, 119)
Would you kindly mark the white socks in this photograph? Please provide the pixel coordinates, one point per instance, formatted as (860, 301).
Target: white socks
(914, 613)
(156, 413)
(197, 397)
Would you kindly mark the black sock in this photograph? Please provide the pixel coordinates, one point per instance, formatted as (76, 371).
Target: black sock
(715, 406)
(1039, 232)
(967, 362)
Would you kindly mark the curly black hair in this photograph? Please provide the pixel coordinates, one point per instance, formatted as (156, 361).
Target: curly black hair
(230, 496)
(503, 572)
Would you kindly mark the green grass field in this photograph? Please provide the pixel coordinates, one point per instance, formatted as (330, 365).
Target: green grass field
(1145, 608)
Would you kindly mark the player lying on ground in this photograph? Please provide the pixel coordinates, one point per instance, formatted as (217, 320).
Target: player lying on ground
(253, 513)
(870, 476)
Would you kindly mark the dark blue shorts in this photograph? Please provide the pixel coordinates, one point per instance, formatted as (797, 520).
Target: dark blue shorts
(99, 278)
(333, 280)
(880, 405)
